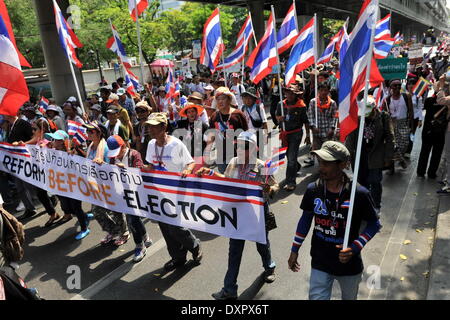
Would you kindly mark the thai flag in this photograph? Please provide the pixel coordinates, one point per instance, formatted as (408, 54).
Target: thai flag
(43, 104)
(4, 14)
(420, 87)
(398, 38)
(342, 45)
(288, 31)
(20, 149)
(443, 46)
(73, 127)
(131, 83)
(171, 85)
(80, 136)
(329, 50)
(115, 45)
(278, 159)
(67, 37)
(212, 46)
(345, 204)
(380, 96)
(238, 54)
(264, 57)
(383, 41)
(353, 68)
(139, 5)
(13, 88)
(302, 53)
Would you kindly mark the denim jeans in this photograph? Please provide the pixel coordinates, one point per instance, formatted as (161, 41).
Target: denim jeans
(321, 285)
(234, 262)
(294, 140)
(374, 178)
(137, 229)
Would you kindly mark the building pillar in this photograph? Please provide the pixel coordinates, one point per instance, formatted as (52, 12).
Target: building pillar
(56, 60)
(320, 35)
(256, 9)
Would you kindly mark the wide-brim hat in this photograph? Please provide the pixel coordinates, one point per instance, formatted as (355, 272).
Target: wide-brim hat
(196, 95)
(250, 92)
(188, 106)
(333, 151)
(294, 89)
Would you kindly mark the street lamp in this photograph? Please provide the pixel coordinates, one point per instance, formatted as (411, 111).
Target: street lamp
(92, 53)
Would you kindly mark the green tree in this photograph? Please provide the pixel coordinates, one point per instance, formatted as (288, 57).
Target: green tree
(331, 27)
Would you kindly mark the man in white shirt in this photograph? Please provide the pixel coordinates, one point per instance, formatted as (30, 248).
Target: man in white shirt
(238, 89)
(196, 85)
(167, 153)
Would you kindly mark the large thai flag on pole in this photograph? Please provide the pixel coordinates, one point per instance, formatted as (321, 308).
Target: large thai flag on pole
(354, 66)
(4, 14)
(302, 53)
(170, 85)
(238, 54)
(264, 57)
(212, 46)
(383, 41)
(327, 55)
(288, 31)
(13, 88)
(115, 45)
(139, 5)
(67, 37)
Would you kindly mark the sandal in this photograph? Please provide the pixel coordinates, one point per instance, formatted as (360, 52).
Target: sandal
(65, 219)
(52, 220)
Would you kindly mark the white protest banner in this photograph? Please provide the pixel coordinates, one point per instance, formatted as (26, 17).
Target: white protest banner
(225, 207)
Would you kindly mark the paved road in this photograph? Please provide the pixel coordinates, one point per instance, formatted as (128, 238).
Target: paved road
(409, 213)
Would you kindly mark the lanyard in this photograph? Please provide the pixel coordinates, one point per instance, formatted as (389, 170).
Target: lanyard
(336, 202)
(160, 156)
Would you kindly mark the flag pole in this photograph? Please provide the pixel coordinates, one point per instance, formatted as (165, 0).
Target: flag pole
(315, 67)
(223, 59)
(280, 88)
(254, 39)
(138, 30)
(360, 133)
(76, 85)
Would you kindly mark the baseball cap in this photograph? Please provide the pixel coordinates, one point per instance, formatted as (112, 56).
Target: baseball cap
(143, 105)
(57, 135)
(250, 92)
(157, 118)
(72, 99)
(96, 107)
(112, 97)
(114, 143)
(113, 109)
(247, 136)
(52, 107)
(121, 92)
(333, 151)
(97, 126)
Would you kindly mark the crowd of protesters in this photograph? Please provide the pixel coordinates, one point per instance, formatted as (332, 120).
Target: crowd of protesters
(137, 131)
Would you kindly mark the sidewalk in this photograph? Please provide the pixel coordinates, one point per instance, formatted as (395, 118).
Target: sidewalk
(439, 286)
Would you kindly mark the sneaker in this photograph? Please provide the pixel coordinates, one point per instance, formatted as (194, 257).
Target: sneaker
(139, 254)
(269, 275)
(82, 234)
(122, 239)
(197, 253)
(173, 264)
(223, 295)
(444, 190)
(107, 239)
(148, 242)
(309, 163)
(20, 207)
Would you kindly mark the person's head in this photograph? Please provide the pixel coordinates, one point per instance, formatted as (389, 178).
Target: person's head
(104, 93)
(94, 99)
(196, 79)
(162, 92)
(40, 127)
(120, 81)
(113, 99)
(116, 147)
(112, 114)
(157, 123)
(323, 90)
(292, 93)
(188, 79)
(371, 107)
(96, 110)
(247, 146)
(51, 112)
(59, 140)
(29, 111)
(333, 158)
(235, 78)
(69, 109)
(249, 97)
(223, 98)
(143, 110)
(209, 90)
(96, 131)
(395, 86)
(322, 76)
(115, 86)
(196, 98)
(122, 93)
(313, 74)
(191, 111)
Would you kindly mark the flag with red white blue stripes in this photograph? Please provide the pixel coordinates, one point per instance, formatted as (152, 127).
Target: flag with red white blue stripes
(288, 31)
(139, 5)
(212, 45)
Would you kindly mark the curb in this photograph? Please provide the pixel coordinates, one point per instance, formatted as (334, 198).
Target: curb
(439, 285)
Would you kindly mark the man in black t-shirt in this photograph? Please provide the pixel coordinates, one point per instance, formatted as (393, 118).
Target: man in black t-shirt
(327, 201)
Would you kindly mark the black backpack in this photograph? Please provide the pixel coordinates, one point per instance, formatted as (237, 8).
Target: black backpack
(14, 287)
